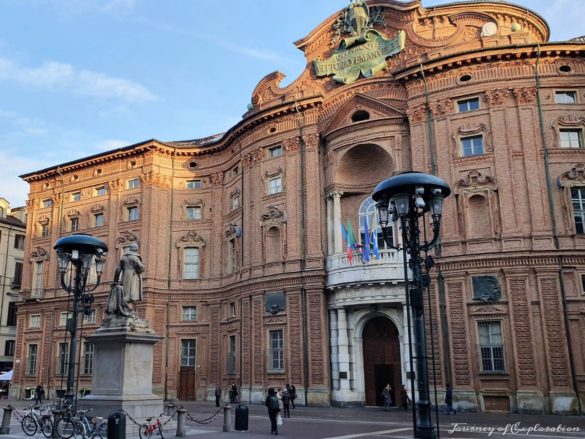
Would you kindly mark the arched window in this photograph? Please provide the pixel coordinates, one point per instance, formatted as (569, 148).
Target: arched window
(368, 210)
(360, 115)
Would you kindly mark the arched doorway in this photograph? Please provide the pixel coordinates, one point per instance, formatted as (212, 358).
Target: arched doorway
(381, 359)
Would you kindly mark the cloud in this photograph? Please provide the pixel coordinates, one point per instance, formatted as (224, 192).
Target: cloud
(14, 189)
(60, 76)
(110, 144)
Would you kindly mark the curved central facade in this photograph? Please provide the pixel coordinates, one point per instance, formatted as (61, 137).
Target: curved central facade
(253, 239)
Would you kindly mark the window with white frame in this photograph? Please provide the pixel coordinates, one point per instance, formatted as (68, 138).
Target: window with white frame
(74, 226)
(133, 213)
(578, 201)
(34, 321)
(47, 202)
(63, 317)
(275, 185)
(231, 360)
(98, 220)
(194, 212)
(62, 351)
(369, 213)
(465, 105)
(133, 183)
(232, 309)
(471, 146)
(9, 348)
(100, 191)
(190, 313)
(88, 353)
(76, 196)
(276, 350)
(19, 242)
(571, 138)
(191, 259)
(275, 151)
(194, 184)
(31, 361)
(44, 230)
(188, 349)
(37, 281)
(235, 201)
(566, 97)
(91, 318)
(231, 255)
(491, 345)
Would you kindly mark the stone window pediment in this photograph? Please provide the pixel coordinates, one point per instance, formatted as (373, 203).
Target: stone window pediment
(467, 132)
(97, 208)
(190, 239)
(127, 238)
(73, 213)
(39, 254)
(564, 123)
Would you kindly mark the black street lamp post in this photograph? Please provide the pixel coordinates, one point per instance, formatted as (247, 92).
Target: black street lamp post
(79, 250)
(407, 197)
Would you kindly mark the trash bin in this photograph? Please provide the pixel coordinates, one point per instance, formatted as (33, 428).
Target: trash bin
(117, 425)
(241, 418)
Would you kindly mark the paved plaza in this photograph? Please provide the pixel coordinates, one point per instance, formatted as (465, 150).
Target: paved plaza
(369, 422)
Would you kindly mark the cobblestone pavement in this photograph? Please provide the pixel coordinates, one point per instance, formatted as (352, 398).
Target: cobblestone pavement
(369, 422)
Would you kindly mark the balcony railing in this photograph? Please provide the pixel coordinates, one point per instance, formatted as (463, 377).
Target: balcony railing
(387, 268)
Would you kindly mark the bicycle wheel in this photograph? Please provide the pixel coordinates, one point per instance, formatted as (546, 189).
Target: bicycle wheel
(46, 426)
(160, 431)
(144, 431)
(65, 428)
(29, 425)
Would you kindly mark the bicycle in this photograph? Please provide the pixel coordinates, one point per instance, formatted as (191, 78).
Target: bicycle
(81, 425)
(146, 430)
(35, 420)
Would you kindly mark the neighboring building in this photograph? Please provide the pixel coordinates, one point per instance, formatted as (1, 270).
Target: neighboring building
(12, 237)
(247, 277)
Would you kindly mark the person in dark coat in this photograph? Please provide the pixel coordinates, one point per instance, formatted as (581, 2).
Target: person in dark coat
(273, 409)
(292, 391)
(39, 393)
(387, 395)
(404, 398)
(217, 395)
(233, 394)
(286, 399)
(449, 400)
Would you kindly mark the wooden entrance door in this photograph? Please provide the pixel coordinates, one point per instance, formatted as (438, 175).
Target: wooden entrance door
(381, 359)
(186, 390)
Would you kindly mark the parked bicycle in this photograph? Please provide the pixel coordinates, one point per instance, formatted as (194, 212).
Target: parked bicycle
(37, 418)
(147, 430)
(80, 424)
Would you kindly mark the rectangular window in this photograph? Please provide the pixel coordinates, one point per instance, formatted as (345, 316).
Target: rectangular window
(133, 183)
(231, 256)
(275, 185)
(34, 321)
(193, 184)
(62, 351)
(235, 201)
(88, 350)
(74, 224)
(191, 263)
(571, 138)
(466, 105)
(276, 351)
(491, 346)
(17, 279)
(472, 145)
(194, 212)
(44, 230)
(9, 348)
(11, 317)
(91, 317)
(190, 313)
(275, 151)
(188, 353)
(231, 360)
(19, 242)
(566, 97)
(47, 203)
(583, 284)
(133, 213)
(232, 309)
(76, 196)
(37, 286)
(63, 316)
(98, 220)
(578, 200)
(31, 363)
(100, 191)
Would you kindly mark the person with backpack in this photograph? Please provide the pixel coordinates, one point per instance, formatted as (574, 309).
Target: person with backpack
(273, 410)
(286, 399)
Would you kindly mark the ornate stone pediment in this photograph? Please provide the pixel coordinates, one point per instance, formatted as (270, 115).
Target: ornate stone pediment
(39, 253)
(97, 208)
(126, 238)
(273, 215)
(270, 173)
(191, 238)
(73, 213)
(131, 201)
(189, 202)
(232, 231)
(487, 310)
(475, 180)
(573, 177)
(44, 220)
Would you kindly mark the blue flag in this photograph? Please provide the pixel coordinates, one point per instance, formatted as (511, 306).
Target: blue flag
(375, 250)
(366, 254)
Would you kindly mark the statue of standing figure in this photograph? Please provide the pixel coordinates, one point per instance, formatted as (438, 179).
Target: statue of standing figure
(127, 288)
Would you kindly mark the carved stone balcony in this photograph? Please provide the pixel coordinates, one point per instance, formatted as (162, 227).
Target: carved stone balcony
(341, 273)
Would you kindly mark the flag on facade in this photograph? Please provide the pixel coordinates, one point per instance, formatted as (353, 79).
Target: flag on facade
(348, 242)
(366, 250)
(375, 250)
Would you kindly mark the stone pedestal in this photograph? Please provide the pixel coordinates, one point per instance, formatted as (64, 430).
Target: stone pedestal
(122, 371)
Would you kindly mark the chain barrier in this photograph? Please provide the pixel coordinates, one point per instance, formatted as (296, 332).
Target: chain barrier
(206, 420)
(131, 418)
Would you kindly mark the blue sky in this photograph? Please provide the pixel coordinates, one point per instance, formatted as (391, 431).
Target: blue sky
(78, 77)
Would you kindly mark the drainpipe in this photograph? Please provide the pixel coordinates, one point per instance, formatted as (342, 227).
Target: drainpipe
(555, 232)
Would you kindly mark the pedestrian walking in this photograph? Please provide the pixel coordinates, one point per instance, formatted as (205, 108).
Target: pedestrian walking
(39, 393)
(273, 410)
(233, 394)
(285, 403)
(404, 399)
(217, 395)
(293, 394)
(387, 395)
(449, 400)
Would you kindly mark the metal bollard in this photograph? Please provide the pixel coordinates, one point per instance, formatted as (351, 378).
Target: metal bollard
(181, 431)
(227, 418)
(169, 406)
(5, 428)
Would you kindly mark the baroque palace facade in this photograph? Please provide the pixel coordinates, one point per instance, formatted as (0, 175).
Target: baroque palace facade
(247, 275)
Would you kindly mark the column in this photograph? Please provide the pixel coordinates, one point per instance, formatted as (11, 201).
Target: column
(330, 229)
(343, 349)
(337, 222)
(334, 348)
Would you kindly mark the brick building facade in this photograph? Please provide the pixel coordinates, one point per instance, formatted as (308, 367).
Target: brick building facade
(247, 276)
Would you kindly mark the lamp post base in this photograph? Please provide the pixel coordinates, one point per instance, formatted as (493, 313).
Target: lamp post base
(425, 432)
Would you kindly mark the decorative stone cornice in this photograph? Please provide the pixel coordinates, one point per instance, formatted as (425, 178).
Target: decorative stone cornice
(441, 108)
(97, 208)
(133, 201)
(417, 114)
(38, 254)
(573, 177)
(273, 172)
(198, 202)
(496, 97)
(73, 213)
(475, 180)
(273, 215)
(126, 238)
(190, 239)
(525, 95)
(216, 178)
